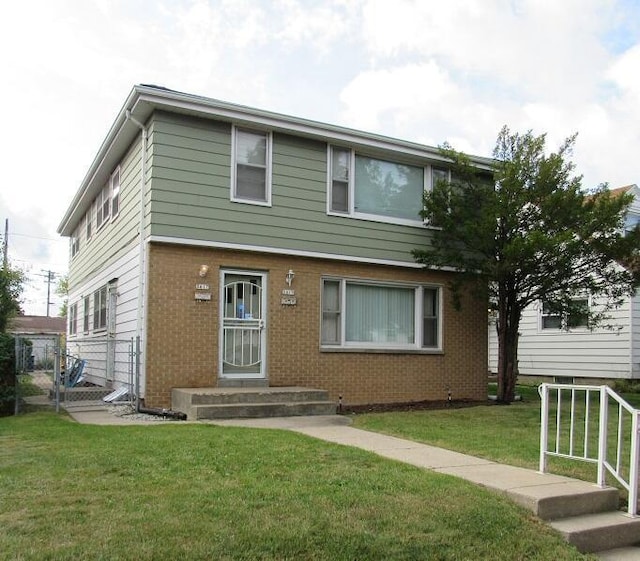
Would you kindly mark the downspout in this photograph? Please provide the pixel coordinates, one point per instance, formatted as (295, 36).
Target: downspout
(141, 249)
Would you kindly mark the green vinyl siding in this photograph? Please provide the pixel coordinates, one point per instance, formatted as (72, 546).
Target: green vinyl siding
(190, 197)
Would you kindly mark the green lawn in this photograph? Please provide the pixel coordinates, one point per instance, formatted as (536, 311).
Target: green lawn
(505, 434)
(197, 491)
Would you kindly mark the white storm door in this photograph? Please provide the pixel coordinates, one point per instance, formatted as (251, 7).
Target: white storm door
(243, 328)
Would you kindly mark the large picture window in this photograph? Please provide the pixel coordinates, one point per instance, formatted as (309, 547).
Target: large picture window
(377, 189)
(388, 189)
(374, 315)
(251, 173)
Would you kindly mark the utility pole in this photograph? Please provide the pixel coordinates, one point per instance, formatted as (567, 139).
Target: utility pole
(5, 245)
(50, 275)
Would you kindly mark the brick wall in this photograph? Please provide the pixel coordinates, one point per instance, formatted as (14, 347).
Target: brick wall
(182, 333)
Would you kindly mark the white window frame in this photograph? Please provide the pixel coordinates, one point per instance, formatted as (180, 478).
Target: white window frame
(75, 241)
(103, 202)
(73, 319)
(268, 166)
(416, 345)
(564, 326)
(114, 183)
(89, 222)
(100, 303)
(86, 314)
(351, 211)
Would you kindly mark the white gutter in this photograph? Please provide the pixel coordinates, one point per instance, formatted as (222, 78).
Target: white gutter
(141, 242)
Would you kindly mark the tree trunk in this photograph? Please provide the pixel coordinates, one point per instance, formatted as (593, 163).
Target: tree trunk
(508, 325)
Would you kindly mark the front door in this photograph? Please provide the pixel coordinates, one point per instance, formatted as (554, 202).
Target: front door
(243, 325)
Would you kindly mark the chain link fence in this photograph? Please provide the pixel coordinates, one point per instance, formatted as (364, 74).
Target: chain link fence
(97, 368)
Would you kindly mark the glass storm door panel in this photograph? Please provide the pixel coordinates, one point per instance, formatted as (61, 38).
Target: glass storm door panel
(243, 326)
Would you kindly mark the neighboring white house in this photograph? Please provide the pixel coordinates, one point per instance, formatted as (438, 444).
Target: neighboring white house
(553, 346)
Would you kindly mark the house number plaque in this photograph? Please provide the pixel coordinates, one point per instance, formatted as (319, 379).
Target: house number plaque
(288, 297)
(203, 296)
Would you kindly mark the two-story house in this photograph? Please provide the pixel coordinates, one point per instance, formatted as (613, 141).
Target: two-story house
(244, 247)
(567, 348)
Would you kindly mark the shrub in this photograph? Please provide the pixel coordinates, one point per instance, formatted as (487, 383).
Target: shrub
(7, 374)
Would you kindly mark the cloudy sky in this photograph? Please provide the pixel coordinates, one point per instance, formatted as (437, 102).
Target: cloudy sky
(422, 70)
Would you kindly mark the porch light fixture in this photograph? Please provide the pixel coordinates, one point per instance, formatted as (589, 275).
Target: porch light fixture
(204, 269)
(289, 277)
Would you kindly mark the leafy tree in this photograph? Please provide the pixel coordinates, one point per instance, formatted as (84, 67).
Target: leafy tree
(62, 290)
(11, 286)
(525, 231)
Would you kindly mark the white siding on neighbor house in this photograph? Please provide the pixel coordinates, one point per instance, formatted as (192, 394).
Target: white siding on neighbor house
(578, 353)
(635, 336)
(126, 270)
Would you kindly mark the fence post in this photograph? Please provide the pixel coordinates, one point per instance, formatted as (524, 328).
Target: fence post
(602, 435)
(56, 373)
(633, 468)
(137, 372)
(543, 390)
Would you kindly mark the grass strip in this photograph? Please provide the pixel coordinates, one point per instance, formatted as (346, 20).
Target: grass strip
(192, 491)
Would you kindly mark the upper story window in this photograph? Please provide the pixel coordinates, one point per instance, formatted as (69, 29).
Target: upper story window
(374, 188)
(102, 204)
(115, 193)
(75, 241)
(577, 318)
(89, 222)
(251, 166)
(340, 174)
(368, 315)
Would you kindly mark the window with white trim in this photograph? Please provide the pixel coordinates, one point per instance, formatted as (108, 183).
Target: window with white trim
(251, 166)
(115, 193)
(100, 309)
(377, 189)
(89, 222)
(360, 314)
(75, 241)
(86, 319)
(73, 319)
(103, 206)
(578, 317)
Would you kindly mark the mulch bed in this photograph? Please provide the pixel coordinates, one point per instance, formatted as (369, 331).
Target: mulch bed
(408, 406)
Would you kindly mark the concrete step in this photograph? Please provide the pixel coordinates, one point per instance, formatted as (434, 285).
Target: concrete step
(599, 532)
(260, 410)
(574, 499)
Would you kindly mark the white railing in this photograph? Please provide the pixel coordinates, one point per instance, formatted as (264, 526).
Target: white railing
(586, 419)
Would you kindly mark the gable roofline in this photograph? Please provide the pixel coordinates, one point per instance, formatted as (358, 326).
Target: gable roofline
(144, 99)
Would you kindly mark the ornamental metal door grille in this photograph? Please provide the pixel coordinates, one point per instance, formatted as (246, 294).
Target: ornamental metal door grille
(242, 326)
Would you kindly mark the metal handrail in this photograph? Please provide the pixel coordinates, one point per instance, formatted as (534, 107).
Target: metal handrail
(579, 421)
